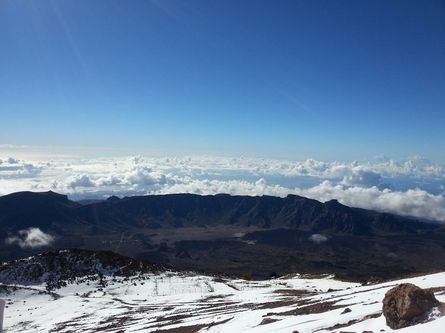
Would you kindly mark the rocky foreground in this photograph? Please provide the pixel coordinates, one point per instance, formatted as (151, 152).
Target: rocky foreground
(107, 300)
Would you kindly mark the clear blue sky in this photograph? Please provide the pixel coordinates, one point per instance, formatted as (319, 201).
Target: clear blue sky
(324, 79)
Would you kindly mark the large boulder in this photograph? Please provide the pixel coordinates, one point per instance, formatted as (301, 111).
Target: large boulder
(407, 305)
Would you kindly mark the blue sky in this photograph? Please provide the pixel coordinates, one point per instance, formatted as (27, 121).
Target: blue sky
(280, 79)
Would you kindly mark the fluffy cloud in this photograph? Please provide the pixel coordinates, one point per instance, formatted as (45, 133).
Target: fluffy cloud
(413, 187)
(14, 168)
(142, 176)
(81, 181)
(413, 202)
(363, 178)
(12, 160)
(234, 187)
(31, 238)
(318, 238)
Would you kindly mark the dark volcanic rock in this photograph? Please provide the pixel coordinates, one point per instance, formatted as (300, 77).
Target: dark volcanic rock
(71, 264)
(347, 310)
(407, 305)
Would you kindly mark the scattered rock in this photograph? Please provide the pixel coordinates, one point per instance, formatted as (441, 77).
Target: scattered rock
(266, 321)
(407, 305)
(56, 268)
(347, 310)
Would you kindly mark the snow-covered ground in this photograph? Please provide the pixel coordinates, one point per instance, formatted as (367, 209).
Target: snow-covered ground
(178, 302)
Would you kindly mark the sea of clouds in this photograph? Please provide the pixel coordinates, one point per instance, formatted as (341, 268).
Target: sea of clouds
(413, 187)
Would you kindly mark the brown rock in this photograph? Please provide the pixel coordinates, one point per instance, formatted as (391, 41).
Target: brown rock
(407, 305)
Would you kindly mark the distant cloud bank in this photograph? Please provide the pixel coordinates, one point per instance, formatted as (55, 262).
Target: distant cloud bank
(414, 187)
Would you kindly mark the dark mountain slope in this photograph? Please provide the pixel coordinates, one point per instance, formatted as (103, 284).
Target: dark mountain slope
(43, 210)
(29, 209)
(232, 234)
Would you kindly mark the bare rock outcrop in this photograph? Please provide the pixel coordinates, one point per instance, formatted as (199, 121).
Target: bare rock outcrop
(407, 305)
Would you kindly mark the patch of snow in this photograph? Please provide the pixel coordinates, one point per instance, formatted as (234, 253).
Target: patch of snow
(168, 300)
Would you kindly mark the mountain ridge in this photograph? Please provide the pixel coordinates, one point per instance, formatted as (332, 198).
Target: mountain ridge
(178, 210)
(262, 235)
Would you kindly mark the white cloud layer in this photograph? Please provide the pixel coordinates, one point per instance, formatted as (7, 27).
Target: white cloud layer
(31, 238)
(414, 187)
